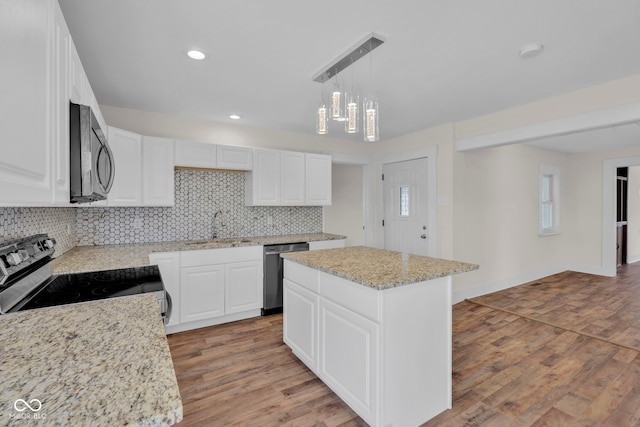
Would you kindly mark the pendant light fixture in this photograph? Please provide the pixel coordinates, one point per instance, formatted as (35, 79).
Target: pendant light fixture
(345, 105)
(322, 116)
(371, 116)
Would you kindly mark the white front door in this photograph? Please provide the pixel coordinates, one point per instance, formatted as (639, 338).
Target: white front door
(406, 207)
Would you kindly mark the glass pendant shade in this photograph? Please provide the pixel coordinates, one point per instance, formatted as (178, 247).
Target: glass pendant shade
(371, 118)
(337, 112)
(321, 120)
(351, 107)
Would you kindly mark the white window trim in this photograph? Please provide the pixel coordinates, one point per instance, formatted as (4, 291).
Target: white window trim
(556, 196)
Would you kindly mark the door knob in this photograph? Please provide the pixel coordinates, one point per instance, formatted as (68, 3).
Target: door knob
(423, 236)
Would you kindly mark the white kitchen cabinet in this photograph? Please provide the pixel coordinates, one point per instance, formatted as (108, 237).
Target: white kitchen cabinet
(127, 153)
(61, 40)
(169, 265)
(234, 158)
(27, 104)
(195, 154)
(243, 286)
(300, 328)
(262, 185)
(76, 75)
(219, 286)
(386, 353)
(279, 178)
(157, 172)
(317, 179)
(292, 178)
(201, 292)
(349, 355)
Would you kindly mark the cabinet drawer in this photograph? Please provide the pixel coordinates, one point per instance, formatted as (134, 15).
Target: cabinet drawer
(220, 256)
(304, 276)
(352, 296)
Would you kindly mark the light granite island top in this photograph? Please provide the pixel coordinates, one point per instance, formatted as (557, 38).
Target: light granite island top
(99, 363)
(379, 268)
(108, 257)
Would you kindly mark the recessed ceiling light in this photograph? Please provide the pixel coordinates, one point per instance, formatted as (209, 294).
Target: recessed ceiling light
(530, 50)
(195, 54)
(235, 117)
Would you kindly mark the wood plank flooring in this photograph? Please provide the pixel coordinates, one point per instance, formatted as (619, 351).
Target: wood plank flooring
(561, 351)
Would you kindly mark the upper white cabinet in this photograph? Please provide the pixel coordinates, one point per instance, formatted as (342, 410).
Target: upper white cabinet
(317, 179)
(157, 172)
(262, 185)
(143, 170)
(292, 191)
(234, 158)
(127, 154)
(212, 156)
(195, 154)
(287, 178)
(41, 72)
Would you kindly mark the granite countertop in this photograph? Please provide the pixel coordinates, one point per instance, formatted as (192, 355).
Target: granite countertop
(99, 363)
(378, 268)
(108, 257)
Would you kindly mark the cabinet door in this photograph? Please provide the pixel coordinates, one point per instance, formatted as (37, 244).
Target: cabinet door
(127, 154)
(169, 265)
(158, 177)
(318, 179)
(327, 244)
(300, 323)
(60, 118)
(292, 178)
(76, 75)
(349, 358)
(195, 154)
(243, 286)
(25, 164)
(234, 158)
(201, 292)
(262, 186)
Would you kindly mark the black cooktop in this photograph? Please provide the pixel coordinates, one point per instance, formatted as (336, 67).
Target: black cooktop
(80, 287)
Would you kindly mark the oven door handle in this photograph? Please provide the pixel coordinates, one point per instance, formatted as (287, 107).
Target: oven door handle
(167, 313)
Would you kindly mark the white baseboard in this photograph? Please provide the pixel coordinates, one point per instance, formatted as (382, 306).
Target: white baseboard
(633, 258)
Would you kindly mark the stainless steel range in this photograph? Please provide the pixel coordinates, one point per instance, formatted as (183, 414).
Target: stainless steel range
(26, 280)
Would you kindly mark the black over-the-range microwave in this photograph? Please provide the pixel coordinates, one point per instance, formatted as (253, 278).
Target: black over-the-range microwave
(91, 160)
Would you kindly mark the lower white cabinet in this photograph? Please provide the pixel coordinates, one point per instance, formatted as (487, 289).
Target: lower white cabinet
(201, 292)
(300, 329)
(243, 286)
(327, 244)
(211, 286)
(385, 353)
(348, 358)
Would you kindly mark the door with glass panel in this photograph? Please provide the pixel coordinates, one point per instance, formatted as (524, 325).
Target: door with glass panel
(405, 207)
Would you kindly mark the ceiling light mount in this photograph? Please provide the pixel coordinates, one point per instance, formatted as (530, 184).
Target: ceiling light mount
(357, 51)
(530, 50)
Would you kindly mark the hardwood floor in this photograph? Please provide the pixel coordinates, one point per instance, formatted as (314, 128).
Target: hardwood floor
(560, 351)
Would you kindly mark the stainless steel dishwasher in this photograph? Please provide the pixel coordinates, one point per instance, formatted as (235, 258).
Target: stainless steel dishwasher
(273, 274)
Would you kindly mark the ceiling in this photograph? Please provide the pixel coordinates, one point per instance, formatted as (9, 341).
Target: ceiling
(442, 60)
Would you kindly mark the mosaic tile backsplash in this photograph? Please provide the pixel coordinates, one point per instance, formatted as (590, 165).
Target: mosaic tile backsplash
(199, 195)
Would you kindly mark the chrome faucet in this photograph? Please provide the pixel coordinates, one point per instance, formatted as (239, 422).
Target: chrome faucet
(214, 234)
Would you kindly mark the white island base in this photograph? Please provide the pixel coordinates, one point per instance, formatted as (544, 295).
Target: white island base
(386, 353)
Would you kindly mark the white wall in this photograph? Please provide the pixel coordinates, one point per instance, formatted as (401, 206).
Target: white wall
(498, 225)
(633, 216)
(345, 215)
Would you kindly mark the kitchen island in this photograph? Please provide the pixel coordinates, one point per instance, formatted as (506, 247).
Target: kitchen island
(375, 326)
(99, 363)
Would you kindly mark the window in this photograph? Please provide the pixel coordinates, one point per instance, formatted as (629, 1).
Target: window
(549, 200)
(404, 201)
